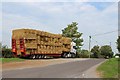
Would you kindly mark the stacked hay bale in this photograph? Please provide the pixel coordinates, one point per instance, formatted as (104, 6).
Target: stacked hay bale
(66, 44)
(49, 43)
(40, 42)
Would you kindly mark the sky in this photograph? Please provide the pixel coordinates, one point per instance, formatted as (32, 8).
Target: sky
(93, 18)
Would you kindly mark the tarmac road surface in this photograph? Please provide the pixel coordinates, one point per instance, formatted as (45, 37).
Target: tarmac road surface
(73, 69)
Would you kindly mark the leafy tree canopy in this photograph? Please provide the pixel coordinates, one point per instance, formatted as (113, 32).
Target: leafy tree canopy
(84, 53)
(106, 51)
(71, 32)
(96, 51)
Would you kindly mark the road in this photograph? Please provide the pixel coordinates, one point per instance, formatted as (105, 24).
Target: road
(74, 69)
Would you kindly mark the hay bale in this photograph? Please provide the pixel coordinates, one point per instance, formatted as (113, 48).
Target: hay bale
(44, 42)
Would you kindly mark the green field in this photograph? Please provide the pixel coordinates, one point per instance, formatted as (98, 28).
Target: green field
(6, 60)
(109, 69)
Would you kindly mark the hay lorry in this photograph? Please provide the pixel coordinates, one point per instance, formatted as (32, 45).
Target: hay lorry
(31, 43)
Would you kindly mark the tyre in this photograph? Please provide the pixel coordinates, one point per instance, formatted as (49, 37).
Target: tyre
(37, 56)
(65, 55)
(32, 56)
(40, 57)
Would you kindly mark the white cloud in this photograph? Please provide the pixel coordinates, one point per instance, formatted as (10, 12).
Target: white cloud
(11, 22)
(14, 21)
(97, 22)
(87, 8)
(91, 20)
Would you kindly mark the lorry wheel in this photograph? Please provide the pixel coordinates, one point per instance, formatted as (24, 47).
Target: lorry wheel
(45, 57)
(42, 56)
(69, 55)
(37, 56)
(65, 55)
(33, 57)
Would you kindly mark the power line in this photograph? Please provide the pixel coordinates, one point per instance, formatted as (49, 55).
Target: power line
(106, 33)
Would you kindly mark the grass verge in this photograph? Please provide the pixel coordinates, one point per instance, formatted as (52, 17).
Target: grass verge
(109, 69)
(7, 60)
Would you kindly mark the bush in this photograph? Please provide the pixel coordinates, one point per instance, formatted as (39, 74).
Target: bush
(83, 54)
(78, 53)
(99, 56)
(6, 53)
(96, 51)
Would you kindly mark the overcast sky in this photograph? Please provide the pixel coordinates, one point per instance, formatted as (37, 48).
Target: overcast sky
(93, 18)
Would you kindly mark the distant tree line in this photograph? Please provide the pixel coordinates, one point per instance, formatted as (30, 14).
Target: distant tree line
(105, 51)
(83, 54)
(96, 52)
(102, 52)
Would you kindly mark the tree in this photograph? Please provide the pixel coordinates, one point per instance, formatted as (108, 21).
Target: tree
(71, 32)
(118, 43)
(96, 51)
(106, 51)
(84, 54)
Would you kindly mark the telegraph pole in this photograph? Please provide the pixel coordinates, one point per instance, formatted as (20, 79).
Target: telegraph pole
(89, 44)
(110, 44)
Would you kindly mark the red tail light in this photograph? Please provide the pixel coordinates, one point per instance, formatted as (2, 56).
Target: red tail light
(22, 47)
(14, 50)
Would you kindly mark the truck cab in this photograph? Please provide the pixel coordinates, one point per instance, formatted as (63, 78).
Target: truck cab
(72, 52)
(73, 48)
